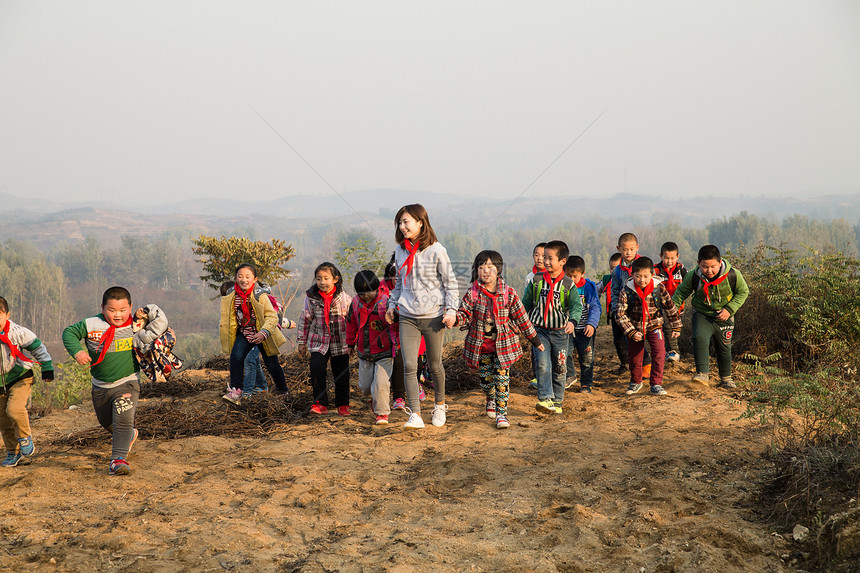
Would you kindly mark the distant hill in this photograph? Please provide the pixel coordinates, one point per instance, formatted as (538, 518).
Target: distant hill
(48, 223)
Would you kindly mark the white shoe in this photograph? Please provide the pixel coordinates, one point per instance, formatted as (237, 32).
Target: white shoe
(438, 419)
(414, 421)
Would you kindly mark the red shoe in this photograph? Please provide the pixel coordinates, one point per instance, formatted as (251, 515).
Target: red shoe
(343, 410)
(318, 408)
(381, 419)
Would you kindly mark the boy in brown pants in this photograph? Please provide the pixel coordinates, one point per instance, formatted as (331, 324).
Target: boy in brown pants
(16, 381)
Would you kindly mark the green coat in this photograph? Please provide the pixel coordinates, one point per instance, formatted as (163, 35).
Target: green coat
(721, 296)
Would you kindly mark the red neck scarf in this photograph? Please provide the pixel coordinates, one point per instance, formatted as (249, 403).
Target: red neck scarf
(494, 298)
(707, 284)
(551, 282)
(628, 268)
(107, 339)
(389, 283)
(244, 296)
(581, 282)
(327, 298)
(643, 296)
(410, 260)
(364, 310)
(535, 269)
(671, 284)
(4, 338)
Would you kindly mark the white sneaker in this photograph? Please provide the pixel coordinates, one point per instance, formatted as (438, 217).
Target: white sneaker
(414, 421)
(673, 356)
(438, 419)
(234, 396)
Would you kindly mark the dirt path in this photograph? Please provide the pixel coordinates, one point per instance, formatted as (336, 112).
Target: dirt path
(615, 483)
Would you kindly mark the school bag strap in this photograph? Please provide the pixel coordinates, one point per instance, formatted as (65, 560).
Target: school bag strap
(733, 280)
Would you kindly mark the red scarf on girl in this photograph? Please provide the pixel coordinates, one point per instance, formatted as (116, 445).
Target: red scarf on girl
(494, 298)
(707, 284)
(364, 310)
(244, 296)
(551, 282)
(410, 260)
(16, 352)
(671, 284)
(107, 339)
(534, 269)
(327, 298)
(643, 296)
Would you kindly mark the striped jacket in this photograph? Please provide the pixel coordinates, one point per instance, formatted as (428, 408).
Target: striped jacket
(476, 312)
(629, 310)
(566, 303)
(312, 331)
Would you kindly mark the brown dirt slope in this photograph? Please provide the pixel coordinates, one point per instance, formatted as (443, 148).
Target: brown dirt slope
(615, 483)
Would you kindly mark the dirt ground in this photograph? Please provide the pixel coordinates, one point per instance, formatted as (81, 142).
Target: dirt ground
(615, 483)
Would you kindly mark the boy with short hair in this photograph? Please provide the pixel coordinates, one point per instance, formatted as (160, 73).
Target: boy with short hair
(16, 382)
(582, 339)
(628, 247)
(718, 293)
(107, 349)
(644, 305)
(618, 338)
(376, 342)
(554, 307)
(671, 272)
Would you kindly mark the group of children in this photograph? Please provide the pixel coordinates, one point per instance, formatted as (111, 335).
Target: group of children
(389, 322)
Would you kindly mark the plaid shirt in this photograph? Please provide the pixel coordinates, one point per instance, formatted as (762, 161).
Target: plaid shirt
(629, 310)
(312, 331)
(476, 310)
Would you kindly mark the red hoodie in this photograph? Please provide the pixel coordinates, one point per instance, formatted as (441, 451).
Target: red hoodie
(367, 330)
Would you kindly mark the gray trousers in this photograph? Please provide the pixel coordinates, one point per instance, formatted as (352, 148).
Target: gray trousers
(374, 378)
(115, 412)
(411, 330)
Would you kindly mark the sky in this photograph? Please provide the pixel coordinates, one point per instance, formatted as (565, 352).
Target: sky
(162, 101)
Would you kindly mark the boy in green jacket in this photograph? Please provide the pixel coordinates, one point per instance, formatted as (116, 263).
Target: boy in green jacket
(718, 292)
(107, 347)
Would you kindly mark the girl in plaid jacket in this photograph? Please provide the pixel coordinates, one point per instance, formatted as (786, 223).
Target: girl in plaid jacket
(322, 330)
(493, 315)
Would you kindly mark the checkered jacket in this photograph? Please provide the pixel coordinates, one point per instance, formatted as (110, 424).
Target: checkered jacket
(473, 313)
(628, 313)
(311, 325)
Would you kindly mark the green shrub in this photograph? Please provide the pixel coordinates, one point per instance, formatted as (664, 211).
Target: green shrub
(69, 386)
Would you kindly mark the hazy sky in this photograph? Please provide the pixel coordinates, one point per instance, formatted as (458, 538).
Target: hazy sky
(153, 101)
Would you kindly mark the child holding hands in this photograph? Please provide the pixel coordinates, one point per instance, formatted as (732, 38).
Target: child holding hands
(493, 315)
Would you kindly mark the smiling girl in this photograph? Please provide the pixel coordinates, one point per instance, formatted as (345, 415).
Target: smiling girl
(248, 320)
(426, 296)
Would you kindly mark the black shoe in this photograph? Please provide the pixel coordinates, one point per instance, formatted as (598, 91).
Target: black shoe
(623, 369)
